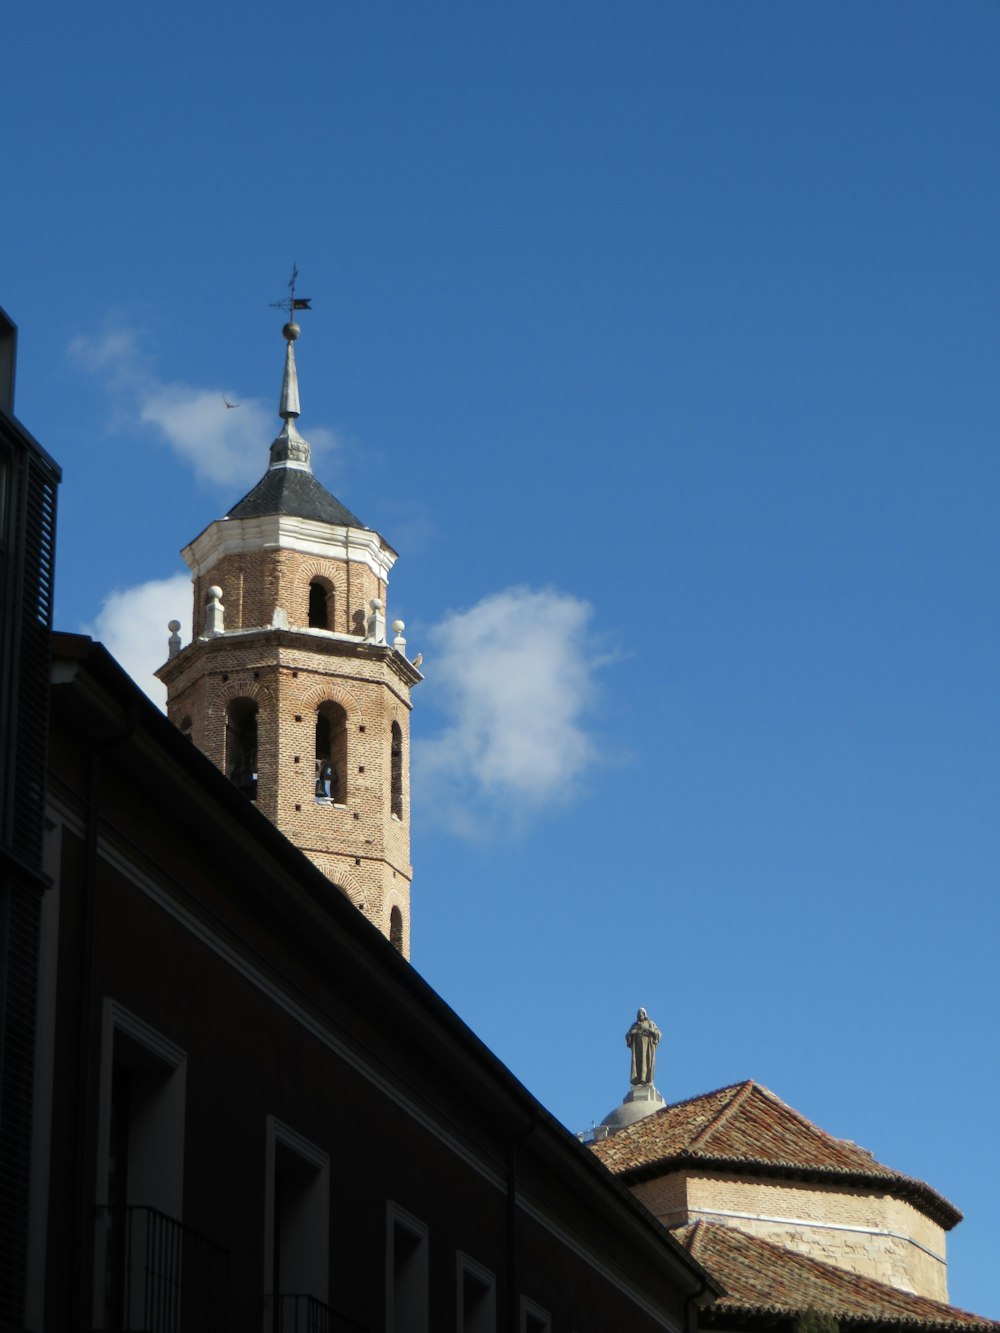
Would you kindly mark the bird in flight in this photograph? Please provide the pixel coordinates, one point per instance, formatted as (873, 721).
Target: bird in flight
(228, 403)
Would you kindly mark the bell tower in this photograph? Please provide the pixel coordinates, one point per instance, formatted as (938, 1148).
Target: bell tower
(290, 685)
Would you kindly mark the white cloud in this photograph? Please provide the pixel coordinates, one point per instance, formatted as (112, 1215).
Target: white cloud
(225, 446)
(515, 675)
(132, 625)
(116, 352)
(222, 445)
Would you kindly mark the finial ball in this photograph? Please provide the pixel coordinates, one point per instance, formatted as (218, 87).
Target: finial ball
(398, 626)
(376, 603)
(291, 331)
(174, 626)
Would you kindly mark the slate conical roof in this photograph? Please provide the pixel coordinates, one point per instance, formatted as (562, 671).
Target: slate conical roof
(746, 1129)
(291, 491)
(288, 486)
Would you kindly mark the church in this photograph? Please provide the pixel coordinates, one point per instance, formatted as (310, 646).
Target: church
(787, 1218)
(240, 1107)
(290, 685)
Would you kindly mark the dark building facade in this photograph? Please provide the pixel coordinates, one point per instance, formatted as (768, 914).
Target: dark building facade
(259, 1115)
(228, 1101)
(28, 484)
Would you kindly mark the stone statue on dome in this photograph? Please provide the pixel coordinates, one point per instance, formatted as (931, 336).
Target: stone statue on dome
(642, 1039)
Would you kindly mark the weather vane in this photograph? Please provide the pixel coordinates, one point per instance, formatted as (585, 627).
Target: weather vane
(291, 303)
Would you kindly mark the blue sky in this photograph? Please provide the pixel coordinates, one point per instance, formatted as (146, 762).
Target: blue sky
(661, 341)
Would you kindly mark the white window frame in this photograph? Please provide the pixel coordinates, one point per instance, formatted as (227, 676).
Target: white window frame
(465, 1264)
(156, 1181)
(530, 1307)
(418, 1311)
(278, 1133)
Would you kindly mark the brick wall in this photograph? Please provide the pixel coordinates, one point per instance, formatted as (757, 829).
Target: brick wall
(254, 583)
(358, 842)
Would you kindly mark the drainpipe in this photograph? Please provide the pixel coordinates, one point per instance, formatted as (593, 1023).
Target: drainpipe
(689, 1316)
(87, 1047)
(512, 1269)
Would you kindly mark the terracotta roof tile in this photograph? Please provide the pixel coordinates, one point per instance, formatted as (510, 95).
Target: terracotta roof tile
(746, 1126)
(762, 1279)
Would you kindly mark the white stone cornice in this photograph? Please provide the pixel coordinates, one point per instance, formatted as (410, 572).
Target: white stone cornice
(229, 536)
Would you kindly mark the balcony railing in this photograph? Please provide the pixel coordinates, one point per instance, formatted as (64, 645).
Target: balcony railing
(155, 1275)
(305, 1314)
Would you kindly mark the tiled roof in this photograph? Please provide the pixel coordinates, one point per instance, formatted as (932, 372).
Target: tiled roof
(293, 491)
(766, 1280)
(747, 1129)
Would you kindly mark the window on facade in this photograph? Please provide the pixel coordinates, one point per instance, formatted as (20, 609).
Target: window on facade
(533, 1318)
(186, 727)
(139, 1236)
(320, 605)
(396, 770)
(241, 746)
(296, 1232)
(407, 1304)
(4, 471)
(396, 929)
(331, 752)
(477, 1301)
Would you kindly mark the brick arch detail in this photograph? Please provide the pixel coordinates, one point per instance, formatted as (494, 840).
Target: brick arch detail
(393, 898)
(331, 572)
(239, 689)
(329, 691)
(341, 878)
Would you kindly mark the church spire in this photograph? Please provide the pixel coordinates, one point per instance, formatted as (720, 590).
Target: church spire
(290, 449)
(290, 384)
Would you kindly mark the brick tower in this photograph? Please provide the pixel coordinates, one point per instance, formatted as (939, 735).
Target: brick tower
(289, 685)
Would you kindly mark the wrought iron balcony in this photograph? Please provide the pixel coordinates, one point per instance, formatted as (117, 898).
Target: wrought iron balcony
(155, 1275)
(305, 1314)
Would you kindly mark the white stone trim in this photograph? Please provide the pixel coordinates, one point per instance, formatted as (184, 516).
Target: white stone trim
(169, 1171)
(528, 1306)
(464, 1263)
(418, 1318)
(279, 1132)
(229, 536)
(291, 464)
(812, 1223)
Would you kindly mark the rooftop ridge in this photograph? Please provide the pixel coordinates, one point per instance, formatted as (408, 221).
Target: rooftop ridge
(818, 1129)
(724, 1113)
(695, 1236)
(690, 1101)
(760, 1134)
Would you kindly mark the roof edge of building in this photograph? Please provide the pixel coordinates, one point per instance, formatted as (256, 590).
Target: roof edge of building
(918, 1192)
(305, 893)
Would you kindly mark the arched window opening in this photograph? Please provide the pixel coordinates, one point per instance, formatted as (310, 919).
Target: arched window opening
(396, 929)
(320, 605)
(331, 753)
(241, 746)
(186, 727)
(396, 771)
